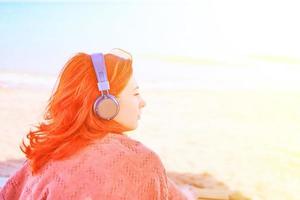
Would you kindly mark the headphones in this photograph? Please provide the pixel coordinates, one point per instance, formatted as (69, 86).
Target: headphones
(106, 106)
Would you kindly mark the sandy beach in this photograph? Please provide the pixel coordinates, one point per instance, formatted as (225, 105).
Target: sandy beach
(247, 139)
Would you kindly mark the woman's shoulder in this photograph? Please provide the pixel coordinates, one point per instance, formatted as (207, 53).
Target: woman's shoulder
(119, 143)
(122, 148)
(110, 153)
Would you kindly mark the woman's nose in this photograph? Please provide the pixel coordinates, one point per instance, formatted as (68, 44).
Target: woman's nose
(143, 103)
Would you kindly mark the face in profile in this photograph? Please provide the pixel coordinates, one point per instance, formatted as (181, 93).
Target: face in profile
(131, 104)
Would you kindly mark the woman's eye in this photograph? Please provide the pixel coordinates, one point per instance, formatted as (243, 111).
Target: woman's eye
(136, 94)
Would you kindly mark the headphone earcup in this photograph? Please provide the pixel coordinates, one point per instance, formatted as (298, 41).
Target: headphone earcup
(106, 107)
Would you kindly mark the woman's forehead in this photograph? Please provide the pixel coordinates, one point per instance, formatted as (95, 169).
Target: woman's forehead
(131, 85)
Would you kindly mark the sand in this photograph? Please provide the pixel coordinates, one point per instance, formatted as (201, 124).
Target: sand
(249, 140)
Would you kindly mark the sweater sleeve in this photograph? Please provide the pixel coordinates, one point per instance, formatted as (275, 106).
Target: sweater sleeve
(15, 184)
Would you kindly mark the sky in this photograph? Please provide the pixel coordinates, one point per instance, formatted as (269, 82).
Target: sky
(42, 36)
(194, 27)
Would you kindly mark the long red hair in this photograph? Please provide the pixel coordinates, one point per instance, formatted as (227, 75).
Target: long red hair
(69, 122)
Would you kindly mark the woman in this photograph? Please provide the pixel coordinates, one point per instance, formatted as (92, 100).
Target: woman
(80, 150)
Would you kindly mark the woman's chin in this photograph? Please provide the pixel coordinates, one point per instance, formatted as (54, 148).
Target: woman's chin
(132, 126)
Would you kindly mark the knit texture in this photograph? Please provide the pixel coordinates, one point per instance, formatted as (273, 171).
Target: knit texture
(115, 167)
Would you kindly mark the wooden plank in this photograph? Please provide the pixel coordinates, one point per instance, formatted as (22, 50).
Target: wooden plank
(212, 194)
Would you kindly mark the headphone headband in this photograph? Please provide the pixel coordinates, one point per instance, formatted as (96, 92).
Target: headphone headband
(100, 69)
(106, 106)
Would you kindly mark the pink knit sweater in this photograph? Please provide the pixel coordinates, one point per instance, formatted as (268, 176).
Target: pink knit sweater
(114, 167)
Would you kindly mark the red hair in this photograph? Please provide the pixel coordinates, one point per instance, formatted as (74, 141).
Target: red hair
(69, 121)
